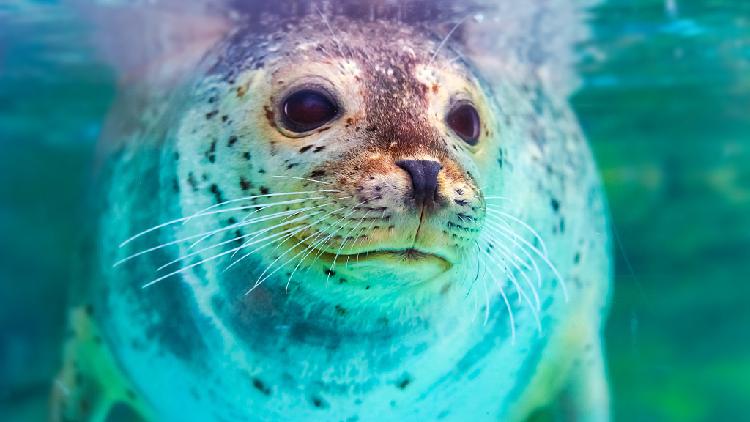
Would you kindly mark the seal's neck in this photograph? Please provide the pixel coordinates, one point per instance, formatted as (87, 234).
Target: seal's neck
(343, 320)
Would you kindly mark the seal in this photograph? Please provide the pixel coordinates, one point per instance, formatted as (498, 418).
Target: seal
(340, 218)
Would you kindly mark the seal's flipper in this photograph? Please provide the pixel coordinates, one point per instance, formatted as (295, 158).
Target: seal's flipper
(90, 386)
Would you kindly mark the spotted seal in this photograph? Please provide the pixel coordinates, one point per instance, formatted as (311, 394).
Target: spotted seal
(343, 218)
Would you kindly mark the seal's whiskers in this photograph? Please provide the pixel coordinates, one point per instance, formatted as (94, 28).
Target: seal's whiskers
(493, 210)
(517, 263)
(266, 274)
(501, 264)
(511, 318)
(204, 212)
(311, 249)
(246, 243)
(515, 239)
(201, 235)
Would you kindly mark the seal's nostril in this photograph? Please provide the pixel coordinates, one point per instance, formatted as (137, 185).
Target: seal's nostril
(423, 174)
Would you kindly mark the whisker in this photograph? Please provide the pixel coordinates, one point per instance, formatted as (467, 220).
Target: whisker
(536, 251)
(333, 34)
(268, 195)
(247, 221)
(521, 293)
(289, 235)
(283, 236)
(203, 213)
(445, 40)
(504, 198)
(311, 247)
(303, 178)
(184, 239)
(361, 220)
(298, 212)
(261, 278)
(343, 242)
(523, 251)
(511, 318)
(251, 236)
(515, 260)
(523, 224)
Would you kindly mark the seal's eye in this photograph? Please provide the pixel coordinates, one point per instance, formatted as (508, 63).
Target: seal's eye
(464, 120)
(307, 109)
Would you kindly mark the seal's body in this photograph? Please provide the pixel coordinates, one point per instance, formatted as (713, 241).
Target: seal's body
(347, 222)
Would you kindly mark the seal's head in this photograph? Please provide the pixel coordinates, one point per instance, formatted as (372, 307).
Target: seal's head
(365, 148)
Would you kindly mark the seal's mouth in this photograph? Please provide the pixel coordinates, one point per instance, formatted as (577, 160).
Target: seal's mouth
(405, 256)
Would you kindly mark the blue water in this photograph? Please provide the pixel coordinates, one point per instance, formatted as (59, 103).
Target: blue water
(665, 102)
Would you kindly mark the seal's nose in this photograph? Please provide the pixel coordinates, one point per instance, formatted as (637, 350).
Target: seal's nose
(424, 180)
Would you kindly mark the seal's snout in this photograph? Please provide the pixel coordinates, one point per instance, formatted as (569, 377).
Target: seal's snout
(424, 179)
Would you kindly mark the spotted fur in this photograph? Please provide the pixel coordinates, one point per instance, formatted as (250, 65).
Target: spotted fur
(300, 280)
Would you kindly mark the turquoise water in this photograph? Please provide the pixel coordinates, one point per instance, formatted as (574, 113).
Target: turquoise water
(665, 103)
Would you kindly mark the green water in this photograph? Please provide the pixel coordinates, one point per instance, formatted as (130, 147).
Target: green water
(665, 103)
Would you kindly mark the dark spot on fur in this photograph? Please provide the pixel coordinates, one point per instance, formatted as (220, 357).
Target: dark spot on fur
(291, 165)
(261, 386)
(555, 205)
(329, 272)
(305, 148)
(245, 184)
(210, 115)
(217, 193)
(404, 381)
(317, 173)
(232, 140)
(211, 153)
(577, 258)
(461, 202)
(318, 149)
(318, 402)
(340, 310)
(246, 155)
(192, 182)
(264, 190)
(224, 118)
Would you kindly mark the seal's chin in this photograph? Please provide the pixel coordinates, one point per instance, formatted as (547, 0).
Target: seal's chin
(396, 266)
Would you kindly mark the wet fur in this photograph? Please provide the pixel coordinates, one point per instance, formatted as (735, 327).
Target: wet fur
(494, 328)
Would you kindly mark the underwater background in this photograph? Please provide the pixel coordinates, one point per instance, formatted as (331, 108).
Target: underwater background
(665, 103)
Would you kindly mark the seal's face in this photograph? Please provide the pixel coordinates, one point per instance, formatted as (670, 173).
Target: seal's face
(373, 149)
